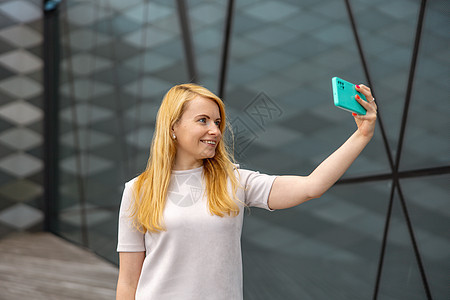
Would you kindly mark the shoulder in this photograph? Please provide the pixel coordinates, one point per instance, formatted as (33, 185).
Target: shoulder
(245, 175)
(243, 172)
(130, 183)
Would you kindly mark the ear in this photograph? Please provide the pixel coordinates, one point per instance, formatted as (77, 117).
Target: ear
(174, 127)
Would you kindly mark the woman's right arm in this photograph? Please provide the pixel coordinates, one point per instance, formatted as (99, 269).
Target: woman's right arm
(130, 266)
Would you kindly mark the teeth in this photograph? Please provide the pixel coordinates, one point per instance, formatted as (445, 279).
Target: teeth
(209, 142)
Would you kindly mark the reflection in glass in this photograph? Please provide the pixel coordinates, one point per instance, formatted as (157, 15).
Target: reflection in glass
(387, 32)
(289, 57)
(326, 248)
(400, 277)
(426, 141)
(118, 60)
(207, 22)
(429, 210)
(125, 55)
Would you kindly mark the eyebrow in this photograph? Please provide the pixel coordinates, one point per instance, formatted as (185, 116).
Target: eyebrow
(207, 117)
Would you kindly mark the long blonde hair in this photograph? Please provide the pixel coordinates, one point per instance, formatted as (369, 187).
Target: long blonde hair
(150, 188)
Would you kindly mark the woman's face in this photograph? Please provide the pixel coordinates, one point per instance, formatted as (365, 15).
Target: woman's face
(197, 133)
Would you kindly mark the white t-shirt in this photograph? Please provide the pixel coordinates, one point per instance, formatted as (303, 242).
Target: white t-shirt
(199, 256)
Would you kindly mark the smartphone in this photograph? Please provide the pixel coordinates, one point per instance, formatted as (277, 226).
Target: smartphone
(344, 94)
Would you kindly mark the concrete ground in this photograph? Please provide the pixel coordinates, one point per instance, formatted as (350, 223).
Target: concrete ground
(44, 266)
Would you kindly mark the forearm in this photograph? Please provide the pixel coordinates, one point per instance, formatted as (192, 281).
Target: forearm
(125, 291)
(332, 168)
(129, 273)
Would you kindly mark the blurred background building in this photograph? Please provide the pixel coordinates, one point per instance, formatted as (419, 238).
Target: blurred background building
(381, 232)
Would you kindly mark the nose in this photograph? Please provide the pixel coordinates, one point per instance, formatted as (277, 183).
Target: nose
(214, 130)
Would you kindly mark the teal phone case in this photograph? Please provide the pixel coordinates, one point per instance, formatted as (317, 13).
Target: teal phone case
(344, 94)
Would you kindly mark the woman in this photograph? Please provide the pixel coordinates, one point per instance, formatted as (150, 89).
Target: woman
(180, 221)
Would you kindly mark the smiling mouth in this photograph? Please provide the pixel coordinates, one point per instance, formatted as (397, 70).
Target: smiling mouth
(212, 143)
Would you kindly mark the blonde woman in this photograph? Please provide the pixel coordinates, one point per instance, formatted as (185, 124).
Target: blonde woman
(180, 221)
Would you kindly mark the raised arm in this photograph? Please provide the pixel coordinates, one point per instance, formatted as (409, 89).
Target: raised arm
(289, 191)
(130, 267)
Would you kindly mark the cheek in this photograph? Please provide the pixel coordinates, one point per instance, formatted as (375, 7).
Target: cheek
(193, 134)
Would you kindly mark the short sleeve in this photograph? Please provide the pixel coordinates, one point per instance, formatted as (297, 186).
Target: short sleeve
(129, 238)
(257, 188)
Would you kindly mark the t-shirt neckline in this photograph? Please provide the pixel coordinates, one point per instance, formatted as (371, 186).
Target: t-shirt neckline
(190, 171)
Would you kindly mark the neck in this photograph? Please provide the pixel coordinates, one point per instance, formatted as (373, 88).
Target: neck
(187, 166)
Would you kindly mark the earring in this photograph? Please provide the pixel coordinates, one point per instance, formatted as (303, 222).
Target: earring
(173, 135)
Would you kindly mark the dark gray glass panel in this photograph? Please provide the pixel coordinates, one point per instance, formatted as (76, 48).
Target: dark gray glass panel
(69, 218)
(118, 60)
(102, 234)
(387, 32)
(282, 58)
(207, 23)
(400, 277)
(426, 141)
(69, 223)
(70, 231)
(326, 248)
(429, 209)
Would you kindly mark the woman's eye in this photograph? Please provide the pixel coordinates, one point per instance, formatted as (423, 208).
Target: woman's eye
(203, 120)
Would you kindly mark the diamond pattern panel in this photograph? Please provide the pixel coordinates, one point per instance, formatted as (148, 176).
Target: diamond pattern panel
(299, 48)
(95, 215)
(388, 49)
(126, 54)
(84, 13)
(271, 11)
(21, 11)
(400, 277)
(426, 137)
(20, 107)
(21, 87)
(20, 113)
(207, 23)
(21, 61)
(345, 239)
(21, 216)
(21, 36)
(21, 164)
(21, 190)
(85, 64)
(429, 216)
(20, 138)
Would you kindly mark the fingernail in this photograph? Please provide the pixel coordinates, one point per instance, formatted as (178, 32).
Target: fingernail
(357, 86)
(357, 96)
(354, 114)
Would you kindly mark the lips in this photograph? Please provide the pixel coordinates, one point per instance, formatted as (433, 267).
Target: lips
(209, 142)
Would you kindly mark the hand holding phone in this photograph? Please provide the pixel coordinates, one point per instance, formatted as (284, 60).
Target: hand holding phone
(344, 94)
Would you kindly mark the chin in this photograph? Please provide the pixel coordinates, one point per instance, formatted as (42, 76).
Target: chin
(209, 156)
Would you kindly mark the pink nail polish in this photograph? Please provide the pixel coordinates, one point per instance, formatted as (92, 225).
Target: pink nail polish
(357, 96)
(357, 86)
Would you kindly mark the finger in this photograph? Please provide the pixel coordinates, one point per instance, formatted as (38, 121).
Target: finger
(365, 90)
(370, 110)
(374, 104)
(362, 88)
(357, 116)
(367, 117)
(364, 103)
